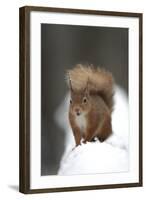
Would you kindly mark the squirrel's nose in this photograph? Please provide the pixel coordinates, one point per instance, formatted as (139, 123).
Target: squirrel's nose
(77, 110)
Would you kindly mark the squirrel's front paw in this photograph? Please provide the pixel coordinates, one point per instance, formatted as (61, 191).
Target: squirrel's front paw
(84, 141)
(73, 148)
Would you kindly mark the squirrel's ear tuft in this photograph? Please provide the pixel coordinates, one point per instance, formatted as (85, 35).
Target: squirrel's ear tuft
(69, 82)
(86, 89)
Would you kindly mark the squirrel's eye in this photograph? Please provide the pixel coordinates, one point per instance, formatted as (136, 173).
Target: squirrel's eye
(84, 100)
(70, 101)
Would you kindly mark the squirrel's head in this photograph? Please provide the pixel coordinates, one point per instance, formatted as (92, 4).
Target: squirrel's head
(80, 103)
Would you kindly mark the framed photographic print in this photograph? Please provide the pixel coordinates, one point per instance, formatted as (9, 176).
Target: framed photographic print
(80, 99)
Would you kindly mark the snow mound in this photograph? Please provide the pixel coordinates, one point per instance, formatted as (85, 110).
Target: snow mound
(94, 157)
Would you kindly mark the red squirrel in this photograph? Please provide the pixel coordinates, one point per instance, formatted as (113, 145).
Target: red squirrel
(91, 103)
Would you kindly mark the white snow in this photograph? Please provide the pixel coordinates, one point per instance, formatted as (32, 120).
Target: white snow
(93, 158)
(110, 156)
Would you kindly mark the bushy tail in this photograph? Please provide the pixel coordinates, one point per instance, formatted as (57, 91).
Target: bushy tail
(99, 81)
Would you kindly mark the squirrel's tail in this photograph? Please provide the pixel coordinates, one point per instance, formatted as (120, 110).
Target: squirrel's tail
(99, 81)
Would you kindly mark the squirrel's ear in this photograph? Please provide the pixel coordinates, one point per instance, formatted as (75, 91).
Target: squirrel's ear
(70, 84)
(86, 90)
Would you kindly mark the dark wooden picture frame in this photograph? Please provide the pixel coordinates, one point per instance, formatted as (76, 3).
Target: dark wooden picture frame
(24, 135)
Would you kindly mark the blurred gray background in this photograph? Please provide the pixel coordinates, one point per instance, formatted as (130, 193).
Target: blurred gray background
(63, 46)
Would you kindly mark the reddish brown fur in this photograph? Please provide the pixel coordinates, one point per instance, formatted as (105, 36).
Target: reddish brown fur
(91, 98)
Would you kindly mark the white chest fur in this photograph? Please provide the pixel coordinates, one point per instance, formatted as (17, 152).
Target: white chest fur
(81, 122)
